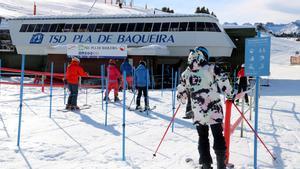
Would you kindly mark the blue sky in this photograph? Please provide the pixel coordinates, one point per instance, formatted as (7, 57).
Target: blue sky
(240, 11)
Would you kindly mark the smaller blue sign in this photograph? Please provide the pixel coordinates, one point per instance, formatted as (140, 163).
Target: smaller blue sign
(257, 56)
(37, 38)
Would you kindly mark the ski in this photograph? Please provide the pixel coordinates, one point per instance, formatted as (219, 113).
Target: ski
(191, 163)
(141, 110)
(195, 165)
(84, 107)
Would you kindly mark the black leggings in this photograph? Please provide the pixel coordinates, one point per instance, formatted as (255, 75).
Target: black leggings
(203, 144)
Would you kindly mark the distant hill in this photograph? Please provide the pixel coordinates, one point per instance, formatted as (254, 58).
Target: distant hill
(291, 29)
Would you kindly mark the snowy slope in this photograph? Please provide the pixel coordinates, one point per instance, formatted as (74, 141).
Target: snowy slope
(72, 140)
(15, 8)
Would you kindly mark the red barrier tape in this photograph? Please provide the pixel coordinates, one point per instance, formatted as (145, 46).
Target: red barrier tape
(31, 72)
(47, 85)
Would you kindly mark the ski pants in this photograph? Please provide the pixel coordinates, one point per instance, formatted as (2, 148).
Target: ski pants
(203, 144)
(128, 82)
(243, 87)
(115, 87)
(139, 95)
(72, 100)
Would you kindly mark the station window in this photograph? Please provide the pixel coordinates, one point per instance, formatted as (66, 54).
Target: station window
(122, 27)
(60, 27)
(130, 27)
(38, 28)
(99, 27)
(83, 28)
(148, 27)
(174, 26)
(156, 27)
(45, 27)
(139, 27)
(91, 27)
(217, 29)
(106, 27)
(31, 28)
(165, 27)
(68, 28)
(201, 26)
(53, 28)
(114, 27)
(183, 26)
(210, 27)
(191, 26)
(24, 28)
(75, 27)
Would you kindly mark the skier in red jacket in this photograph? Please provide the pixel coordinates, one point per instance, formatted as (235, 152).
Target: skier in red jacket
(243, 83)
(74, 71)
(113, 76)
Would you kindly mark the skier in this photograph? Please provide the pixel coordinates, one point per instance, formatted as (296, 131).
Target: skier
(204, 81)
(243, 83)
(74, 70)
(125, 66)
(142, 79)
(113, 77)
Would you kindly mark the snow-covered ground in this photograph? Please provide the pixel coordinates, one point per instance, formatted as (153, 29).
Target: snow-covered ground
(15, 8)
(72, 140)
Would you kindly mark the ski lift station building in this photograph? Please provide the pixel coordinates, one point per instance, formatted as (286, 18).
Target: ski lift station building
(158, 39)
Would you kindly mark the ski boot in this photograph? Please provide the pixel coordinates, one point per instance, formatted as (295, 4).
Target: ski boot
(147, 107)
(117, 99)
(68, 107)
(206, 166)
(189, 115)
(138, 108)
(105, 99)
(221, 157)
(75, 108)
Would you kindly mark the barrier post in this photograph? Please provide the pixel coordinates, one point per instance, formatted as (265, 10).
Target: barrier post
(43, 83)
(162, 79)
(147, 88)
(65, 93)
(173, 99)
(102, 83)
(228, 104)
(124, 116)
(133, 85)
(51, 88)
(0, 74)
(256, 120)
(21, 99)
(106, 99)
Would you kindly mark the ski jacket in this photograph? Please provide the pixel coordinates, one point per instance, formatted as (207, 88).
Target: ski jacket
(113, 73)
(125, 66)
(204, 87)
(141, 76)
(74, 70)
(241, 73)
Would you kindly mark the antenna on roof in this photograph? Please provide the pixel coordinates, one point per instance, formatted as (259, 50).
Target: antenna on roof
(92, 6)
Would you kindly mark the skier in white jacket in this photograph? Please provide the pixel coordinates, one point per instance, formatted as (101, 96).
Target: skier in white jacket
(204, 82)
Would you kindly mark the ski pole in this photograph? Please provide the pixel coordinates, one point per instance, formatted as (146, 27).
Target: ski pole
(274, 158)
(154, 155)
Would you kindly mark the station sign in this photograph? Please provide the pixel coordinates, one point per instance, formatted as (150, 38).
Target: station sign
(257, 56)
(97, 50)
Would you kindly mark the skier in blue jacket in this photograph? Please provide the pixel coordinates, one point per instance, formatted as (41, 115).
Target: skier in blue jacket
(142, 80)
(125, 66)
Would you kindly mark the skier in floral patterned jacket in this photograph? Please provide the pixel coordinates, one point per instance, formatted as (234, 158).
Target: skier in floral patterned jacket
(204, 82)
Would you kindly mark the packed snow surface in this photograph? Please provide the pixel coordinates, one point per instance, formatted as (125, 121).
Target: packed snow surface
(72, 140)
